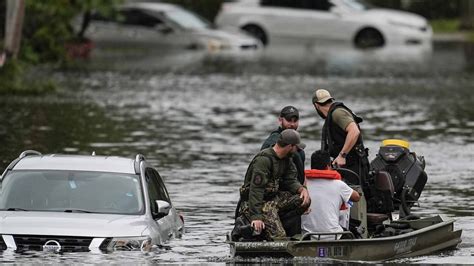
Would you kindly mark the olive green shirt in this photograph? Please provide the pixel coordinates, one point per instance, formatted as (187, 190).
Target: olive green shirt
(342, 118)
(263, 182)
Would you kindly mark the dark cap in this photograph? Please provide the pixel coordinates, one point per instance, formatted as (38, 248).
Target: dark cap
(291, 136)
(288, 112)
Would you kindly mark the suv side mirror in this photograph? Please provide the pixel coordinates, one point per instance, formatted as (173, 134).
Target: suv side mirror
(162, 208)
(163, 28)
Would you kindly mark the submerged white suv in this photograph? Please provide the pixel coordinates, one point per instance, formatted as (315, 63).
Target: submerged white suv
(75, 203)
(313, 20)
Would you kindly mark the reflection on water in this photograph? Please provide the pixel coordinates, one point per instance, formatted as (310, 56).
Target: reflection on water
(201, 118)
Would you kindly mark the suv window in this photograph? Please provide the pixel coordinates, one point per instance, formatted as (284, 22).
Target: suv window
(300, 4)
(134, 17)
(156, 187)
(138, 18)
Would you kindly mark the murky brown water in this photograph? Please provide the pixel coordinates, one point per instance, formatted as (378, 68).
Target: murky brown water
(200, 119)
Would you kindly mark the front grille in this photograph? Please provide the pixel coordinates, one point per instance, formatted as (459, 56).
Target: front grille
(3, 246)
(68, 243)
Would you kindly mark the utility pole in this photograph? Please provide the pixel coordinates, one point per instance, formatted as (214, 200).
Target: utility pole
(467, 14)
(13, 27)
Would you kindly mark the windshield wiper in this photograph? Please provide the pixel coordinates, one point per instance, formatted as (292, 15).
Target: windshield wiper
(78, 211)
(14, 209)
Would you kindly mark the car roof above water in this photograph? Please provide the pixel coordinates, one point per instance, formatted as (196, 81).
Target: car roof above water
(77, 163)
(152, 6)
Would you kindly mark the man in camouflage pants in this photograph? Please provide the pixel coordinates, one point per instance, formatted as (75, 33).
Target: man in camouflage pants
(271, 187)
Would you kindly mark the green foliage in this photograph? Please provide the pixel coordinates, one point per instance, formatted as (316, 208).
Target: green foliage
(47, 26)
(12, 78)
(445, 25)
(470, 36)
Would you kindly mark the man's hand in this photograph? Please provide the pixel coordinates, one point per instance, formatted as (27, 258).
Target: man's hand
(339, 161)
(304, 195)
(258, 226)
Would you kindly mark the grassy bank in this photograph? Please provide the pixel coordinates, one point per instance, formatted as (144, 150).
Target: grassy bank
(15, 78)
(446, 26)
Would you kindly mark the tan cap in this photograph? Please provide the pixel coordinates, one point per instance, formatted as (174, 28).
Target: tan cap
(321, 96)
(291, 136)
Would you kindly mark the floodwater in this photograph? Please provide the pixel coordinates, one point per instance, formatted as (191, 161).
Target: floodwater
(200, 118)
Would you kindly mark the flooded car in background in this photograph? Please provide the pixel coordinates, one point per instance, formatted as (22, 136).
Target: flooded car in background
(75, 203)
(313, 20)
(161, 25)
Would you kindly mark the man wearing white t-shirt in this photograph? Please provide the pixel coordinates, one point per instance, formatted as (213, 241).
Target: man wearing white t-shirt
(327, 193)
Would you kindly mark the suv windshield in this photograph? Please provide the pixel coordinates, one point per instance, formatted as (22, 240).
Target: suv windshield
(187, 19)
(71, 191)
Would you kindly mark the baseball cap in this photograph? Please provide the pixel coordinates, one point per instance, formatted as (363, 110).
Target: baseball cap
(321, 96)
(291, 136)
(289, 112)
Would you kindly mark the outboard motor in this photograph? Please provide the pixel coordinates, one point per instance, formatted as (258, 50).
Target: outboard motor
(406, 171)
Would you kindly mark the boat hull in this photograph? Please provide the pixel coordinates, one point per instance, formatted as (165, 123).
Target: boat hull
(430, 235)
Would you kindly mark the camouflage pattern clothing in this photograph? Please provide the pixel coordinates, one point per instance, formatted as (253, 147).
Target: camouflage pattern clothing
(283, 202)
(270, 188)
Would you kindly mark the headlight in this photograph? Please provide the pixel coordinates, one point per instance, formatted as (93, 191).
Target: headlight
(130, 244)
(214, 45)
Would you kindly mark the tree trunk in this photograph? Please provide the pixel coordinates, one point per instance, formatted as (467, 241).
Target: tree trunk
(13, 26)
(467, 16)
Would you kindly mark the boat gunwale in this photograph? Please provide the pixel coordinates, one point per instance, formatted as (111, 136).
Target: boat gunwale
(442, 223)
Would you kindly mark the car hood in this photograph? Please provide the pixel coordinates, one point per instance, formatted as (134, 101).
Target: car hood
(396, 16)
(234, 38)
(71, 224)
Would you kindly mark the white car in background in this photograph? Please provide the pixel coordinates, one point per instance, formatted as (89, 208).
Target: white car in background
(314, 20)
(161, 25)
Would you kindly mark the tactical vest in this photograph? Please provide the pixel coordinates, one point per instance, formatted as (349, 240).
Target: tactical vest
(298, 157)
(333, 137)
(273, 184)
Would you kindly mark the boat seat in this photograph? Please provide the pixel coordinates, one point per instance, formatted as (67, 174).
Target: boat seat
(383, 182)
(376, 218)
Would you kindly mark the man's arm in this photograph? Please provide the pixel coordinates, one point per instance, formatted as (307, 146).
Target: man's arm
(290, 181)
(353, 133)
(355, 197)
(258, 182)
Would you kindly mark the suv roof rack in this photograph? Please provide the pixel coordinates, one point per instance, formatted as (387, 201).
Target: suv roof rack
(22, 155)
(138, 159)
(29, 152)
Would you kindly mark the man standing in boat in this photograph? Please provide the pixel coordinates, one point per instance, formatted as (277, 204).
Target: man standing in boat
(328, 194)
(271, 186)
(341, 135)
